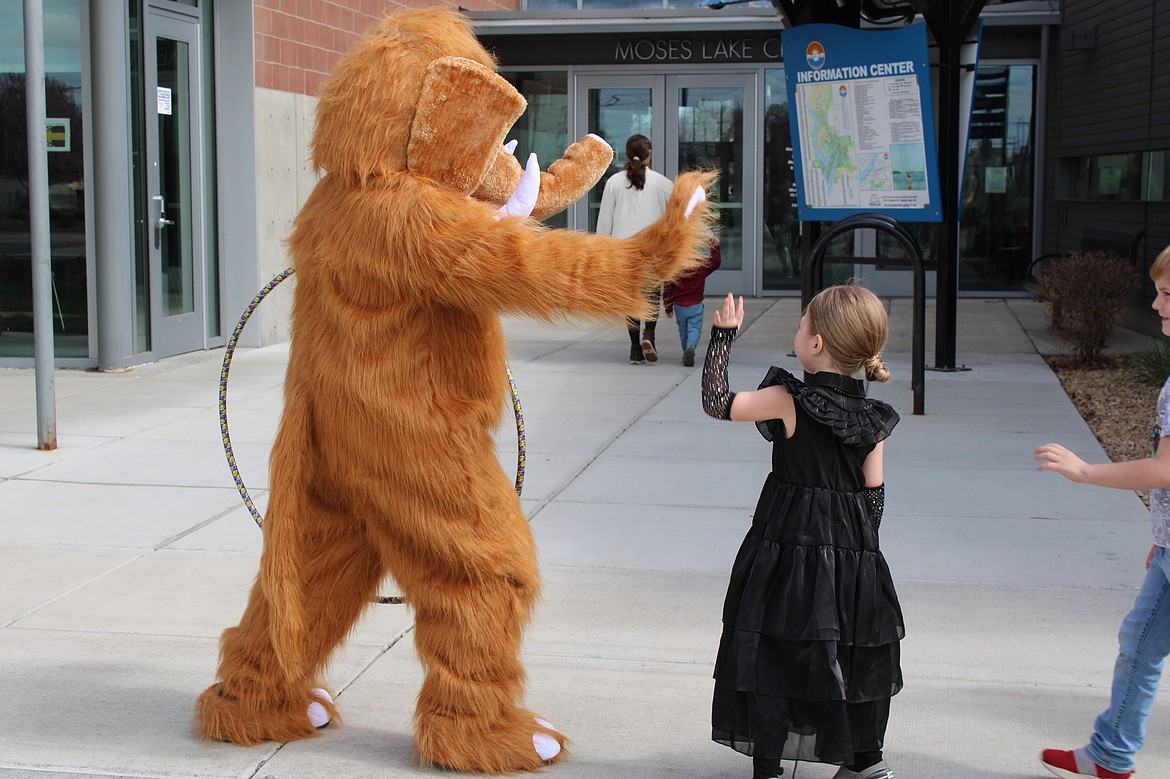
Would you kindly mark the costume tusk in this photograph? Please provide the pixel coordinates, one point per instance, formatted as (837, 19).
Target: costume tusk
(510, 146)
(523, 200)
(696, 198)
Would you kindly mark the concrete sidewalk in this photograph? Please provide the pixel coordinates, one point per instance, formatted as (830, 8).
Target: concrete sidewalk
(125, 553)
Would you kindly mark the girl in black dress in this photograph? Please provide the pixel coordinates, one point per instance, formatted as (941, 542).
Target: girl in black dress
(809, 656)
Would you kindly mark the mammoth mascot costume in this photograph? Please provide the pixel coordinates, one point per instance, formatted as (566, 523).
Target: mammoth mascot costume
(406, 253)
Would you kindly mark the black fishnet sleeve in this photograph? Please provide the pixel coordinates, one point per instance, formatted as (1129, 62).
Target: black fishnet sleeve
(875, 503)
(717, 397)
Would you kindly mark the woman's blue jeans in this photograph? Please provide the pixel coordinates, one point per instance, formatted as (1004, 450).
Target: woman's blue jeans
(1120, 731)
(690, 325)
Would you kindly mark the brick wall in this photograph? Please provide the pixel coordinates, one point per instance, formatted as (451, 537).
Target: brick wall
(298, 42)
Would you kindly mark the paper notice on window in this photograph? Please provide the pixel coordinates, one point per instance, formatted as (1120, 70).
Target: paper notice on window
(995, 180)
(164, 101)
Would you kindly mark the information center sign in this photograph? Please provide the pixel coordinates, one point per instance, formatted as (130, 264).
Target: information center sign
(864, 123)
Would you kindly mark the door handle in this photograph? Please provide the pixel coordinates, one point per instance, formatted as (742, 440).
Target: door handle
(162, 220)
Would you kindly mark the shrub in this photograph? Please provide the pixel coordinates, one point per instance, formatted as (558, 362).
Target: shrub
(1152, 366)
(1086, 292)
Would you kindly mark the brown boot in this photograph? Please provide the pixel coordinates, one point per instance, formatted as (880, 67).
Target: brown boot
(648, 343)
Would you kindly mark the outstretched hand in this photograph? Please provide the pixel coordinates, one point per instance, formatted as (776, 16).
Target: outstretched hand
(730, 314)
(1054, 457)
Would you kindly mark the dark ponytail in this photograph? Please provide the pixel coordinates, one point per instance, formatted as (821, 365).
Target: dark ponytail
(638, 153)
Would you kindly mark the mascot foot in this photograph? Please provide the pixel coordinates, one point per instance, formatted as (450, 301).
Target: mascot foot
(546, 746)
(525, 745)
(221, 717)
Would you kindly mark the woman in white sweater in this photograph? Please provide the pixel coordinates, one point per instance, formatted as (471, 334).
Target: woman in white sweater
(632, 200)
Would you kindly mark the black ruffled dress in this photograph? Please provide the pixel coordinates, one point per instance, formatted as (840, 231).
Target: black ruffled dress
(809, 656)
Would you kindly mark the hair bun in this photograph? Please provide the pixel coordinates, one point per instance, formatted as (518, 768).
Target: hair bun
(875, 369)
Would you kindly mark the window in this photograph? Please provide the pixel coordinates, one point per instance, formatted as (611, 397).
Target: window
(781, 259)
(70, 284)
(995, 224)
(1129, 176)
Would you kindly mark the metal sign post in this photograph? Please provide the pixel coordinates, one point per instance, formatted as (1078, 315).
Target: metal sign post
(38, 206)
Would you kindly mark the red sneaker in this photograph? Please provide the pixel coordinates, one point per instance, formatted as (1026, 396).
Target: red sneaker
(1073, 764)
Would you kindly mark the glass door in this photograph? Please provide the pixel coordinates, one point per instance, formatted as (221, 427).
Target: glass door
(174, 217)
(709, 127)
(615, 109)
(695, 121)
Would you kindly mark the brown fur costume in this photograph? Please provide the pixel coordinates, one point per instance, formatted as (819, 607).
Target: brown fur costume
(384, 461)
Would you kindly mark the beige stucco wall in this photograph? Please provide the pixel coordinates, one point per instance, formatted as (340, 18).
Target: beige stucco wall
(284, 179)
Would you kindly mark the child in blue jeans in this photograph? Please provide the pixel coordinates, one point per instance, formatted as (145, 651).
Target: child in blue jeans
(1144, 638)
(683, 299)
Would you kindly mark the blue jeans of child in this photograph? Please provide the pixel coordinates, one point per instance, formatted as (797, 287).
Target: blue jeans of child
(1120, 731)
(690, 325)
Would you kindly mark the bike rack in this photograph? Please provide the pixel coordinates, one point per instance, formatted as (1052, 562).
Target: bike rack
(813, 280)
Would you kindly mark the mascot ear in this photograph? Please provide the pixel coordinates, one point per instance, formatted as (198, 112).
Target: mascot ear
(463, 113)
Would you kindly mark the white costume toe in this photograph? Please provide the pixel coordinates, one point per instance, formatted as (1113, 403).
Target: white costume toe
(318, 716)
(546, 746)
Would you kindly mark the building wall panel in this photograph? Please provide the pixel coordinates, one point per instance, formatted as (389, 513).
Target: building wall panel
(1109, 95)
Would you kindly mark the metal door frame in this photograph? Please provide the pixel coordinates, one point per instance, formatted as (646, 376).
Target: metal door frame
(187, 331)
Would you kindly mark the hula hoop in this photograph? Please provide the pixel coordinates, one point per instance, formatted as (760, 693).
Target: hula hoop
(227, 438)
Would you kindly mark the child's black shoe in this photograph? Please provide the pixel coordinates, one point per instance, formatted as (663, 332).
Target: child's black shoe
(766, 768)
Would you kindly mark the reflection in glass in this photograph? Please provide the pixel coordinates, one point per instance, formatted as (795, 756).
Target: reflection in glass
(210, 210)
(781, 261)
(64, 135)
(1154, 165)
(615, 114)
(710, 137)
(142, 334)
(995, 243)
(544, 126)
(174, 137)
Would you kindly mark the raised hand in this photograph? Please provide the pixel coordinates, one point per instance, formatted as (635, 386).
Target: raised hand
(730, 314)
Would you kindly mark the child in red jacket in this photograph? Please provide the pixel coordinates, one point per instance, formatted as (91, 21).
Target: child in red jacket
(685, 298)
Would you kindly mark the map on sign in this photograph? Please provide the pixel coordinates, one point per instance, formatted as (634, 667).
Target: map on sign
(863, 137)
(829, 155)
(851, 153)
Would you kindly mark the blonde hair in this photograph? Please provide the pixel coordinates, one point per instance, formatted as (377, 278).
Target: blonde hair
(854, 326)
(1161, 266)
